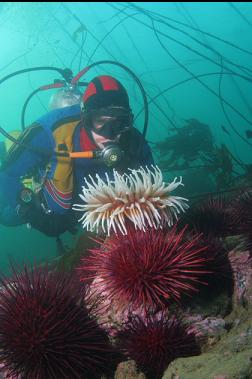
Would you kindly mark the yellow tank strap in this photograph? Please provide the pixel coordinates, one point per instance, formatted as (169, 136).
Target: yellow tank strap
(63, 174)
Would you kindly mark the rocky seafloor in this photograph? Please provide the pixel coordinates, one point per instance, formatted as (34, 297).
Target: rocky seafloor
(227, 325)
(223, 319)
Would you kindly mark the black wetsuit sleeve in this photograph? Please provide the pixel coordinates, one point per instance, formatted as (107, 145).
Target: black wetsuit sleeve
(137, 150)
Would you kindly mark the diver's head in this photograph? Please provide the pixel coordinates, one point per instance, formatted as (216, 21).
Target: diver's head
(106, 110)
(65, 97)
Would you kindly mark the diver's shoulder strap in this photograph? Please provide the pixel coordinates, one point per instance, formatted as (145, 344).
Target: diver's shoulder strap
(60, 124)
(52, 119)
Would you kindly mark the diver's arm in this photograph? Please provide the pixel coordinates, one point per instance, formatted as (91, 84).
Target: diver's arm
(21, 161)
(146, 158)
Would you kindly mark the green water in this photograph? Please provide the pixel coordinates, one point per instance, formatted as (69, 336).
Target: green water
(163, 49)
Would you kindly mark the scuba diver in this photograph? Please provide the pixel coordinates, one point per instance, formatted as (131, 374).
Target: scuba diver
(39, 184)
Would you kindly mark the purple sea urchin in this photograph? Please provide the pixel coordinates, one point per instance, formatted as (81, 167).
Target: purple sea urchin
(241, 211)
(155, 341)
(210, 217)
(46, 331)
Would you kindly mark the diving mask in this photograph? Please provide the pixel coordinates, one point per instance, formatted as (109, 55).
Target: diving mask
(111, 122)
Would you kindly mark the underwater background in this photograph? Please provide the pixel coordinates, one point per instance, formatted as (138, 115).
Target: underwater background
(173, 303)
(193, 59)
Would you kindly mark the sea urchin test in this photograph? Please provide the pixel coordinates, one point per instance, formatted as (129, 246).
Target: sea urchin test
(140, 196)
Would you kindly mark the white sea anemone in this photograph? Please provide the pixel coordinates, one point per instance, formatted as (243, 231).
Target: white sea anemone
(141, 197)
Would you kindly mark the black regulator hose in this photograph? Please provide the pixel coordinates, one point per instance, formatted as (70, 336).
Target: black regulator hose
(63, 72)
(25, 106)
(67, 75)
(43, 88)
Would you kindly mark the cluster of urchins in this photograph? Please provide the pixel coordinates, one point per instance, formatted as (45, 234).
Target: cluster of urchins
(124, 301)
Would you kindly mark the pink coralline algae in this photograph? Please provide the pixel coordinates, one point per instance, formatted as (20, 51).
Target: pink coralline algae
(206, 327)
(241, 263)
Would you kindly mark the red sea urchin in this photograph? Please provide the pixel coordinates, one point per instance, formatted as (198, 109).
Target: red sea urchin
(46, 331)
(155, 341)
(146, 269)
